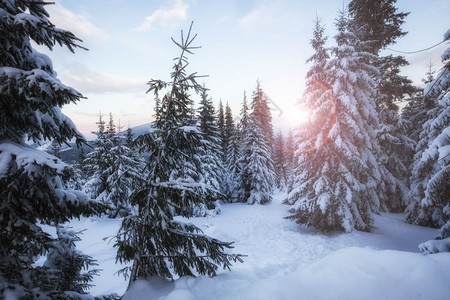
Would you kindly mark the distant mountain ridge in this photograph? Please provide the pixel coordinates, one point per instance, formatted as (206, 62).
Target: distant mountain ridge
(71, 153)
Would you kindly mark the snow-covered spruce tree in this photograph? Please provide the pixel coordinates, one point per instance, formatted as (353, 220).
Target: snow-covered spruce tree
(79, 177)
(257, 176)
(111, 130)
(32, 190)
(156, 242)
(415, 111)
(81, 158)
(378, 25)
(71, 269)
(430, 183)
(261, 111)
(232, 169)
(244, 121)
(279, 160)
(415, 115)
(212, 169)
(396, 148)
(289, 151)
(337, 186)
(116, 170)
(129, 138)
(97, 162)
(221, 125)
(126, 171)
(305, 161)
(242, 133)
(192, 115)
(228, 128)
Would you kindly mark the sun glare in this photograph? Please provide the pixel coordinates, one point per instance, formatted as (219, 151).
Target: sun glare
(303, 114)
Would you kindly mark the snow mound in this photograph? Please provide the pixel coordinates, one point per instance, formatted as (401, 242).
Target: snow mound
(349, 273)
(435, 246)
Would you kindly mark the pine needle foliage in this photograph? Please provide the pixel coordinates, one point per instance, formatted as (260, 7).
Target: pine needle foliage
(156, 242)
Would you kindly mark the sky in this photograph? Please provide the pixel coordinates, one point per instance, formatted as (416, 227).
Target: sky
(241, 41)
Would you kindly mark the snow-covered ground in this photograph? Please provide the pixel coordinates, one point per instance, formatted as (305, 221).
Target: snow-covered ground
(287, 261)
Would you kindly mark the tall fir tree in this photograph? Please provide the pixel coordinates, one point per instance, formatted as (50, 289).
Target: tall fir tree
(221, 125)
(233, 169)
(256, 175)
(378, 25)
(101, 132)
(81, 156)
(242, 132)
(228, 127)
(232, 156)
(415, 111)
(337, 185)
(430, 184)
(111, 130)
(414, 114)
(32, 182)
(279, 160)
(81, 165)
(156, 242)
(430, 74)
(243, 122)
(98, 161)
(129, 138)
(308, 136)
(261, 111)
(212, 169)
(116, 169)
(289, 154)
(79, 177)
(124, 175)
(315, 99)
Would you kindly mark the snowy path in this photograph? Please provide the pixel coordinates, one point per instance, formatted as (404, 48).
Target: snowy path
(274, 245)
(288, 261)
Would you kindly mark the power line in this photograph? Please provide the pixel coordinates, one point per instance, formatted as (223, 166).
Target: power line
(412, 52)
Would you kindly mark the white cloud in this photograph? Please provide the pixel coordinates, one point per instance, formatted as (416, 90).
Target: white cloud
(88, 81)
(78, 24)
(175, 11)
(262, 14)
